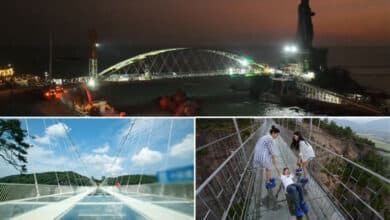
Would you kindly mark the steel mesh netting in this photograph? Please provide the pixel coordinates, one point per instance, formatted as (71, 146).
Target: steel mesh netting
(225, 193)
(272, 204)
(216, 140)
(356, 189)
(13, 191)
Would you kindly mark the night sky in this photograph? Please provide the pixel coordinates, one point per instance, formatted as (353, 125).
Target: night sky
(201, 23)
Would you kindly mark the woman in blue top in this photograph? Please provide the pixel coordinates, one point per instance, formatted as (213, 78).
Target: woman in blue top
(264, 157)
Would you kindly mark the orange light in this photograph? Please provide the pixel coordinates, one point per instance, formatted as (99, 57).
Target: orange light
(6, 72)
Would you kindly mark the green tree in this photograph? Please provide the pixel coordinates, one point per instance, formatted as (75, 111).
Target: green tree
(13, 148)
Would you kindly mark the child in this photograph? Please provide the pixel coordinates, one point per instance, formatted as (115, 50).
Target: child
(294, 190)
(264, 157)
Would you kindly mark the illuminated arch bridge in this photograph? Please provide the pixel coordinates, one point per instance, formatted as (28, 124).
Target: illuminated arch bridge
(182, 62)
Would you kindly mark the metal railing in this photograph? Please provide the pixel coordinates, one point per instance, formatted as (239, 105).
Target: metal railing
(359, 192)
(273, 203)
(320, 94)
(177, 190)
(225, 193)
(339, 188)
(214, 147)
(14, 191)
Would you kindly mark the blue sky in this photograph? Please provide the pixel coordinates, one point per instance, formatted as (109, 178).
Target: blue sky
(98, 148)
(356, 119)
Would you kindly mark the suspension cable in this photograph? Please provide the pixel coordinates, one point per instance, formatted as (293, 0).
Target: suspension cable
(34, 173)
(76, 151)
(124, 140)
(55, 167)
(143, 165)
(166, 160)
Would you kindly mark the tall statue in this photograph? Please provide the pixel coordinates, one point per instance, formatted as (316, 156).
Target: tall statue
(305, 25)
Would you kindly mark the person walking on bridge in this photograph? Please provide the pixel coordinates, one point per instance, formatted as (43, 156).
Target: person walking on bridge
(306, 154)
(264, 156)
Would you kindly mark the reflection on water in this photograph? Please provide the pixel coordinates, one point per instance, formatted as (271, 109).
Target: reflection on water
(374, 81)
(249, 107)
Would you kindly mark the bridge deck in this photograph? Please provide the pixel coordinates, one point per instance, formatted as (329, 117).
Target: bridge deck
(272, 204)
(88, 204)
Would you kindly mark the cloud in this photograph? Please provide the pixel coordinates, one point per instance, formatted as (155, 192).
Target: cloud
(103, 163)
(102, 150)
(147, 157)
(42, 140)
(183, 149)
(39, 152)
(42, 160)
(52, 132)
(57, 130)
(73, 148)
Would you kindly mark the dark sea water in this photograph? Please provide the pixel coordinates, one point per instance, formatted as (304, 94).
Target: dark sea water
(369, 66)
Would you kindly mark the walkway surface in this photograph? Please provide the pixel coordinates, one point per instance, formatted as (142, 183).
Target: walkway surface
(98, 203)
(272, 204)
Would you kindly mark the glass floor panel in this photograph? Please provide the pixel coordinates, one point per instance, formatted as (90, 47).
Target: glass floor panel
(100, 205)
(186, 208)
(48, 199)
(152, 198)
(102, 212)
(99, 199)
(10, 210)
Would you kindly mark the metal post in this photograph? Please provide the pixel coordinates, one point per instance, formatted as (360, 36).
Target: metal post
(55, 168)
(296, 123)
(168, 147)
(35, 176)
(310, 128)
(287, 123)
(237, 130)
(51, 56)
(70, 184)
(319, 123)
(239, 136)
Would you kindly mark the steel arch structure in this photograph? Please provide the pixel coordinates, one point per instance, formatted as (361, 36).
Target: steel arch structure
(182, 61)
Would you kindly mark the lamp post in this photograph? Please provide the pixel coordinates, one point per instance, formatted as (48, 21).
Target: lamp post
(290, 49)
(46, 75)
(291, 52)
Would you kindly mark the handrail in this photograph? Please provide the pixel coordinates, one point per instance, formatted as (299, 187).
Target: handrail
(353, 163)
(221, 139)
(344, 185)
(200, 188)
(238, 186)
(353, 193)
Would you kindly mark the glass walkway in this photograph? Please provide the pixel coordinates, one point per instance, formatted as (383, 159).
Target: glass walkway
(98, 203)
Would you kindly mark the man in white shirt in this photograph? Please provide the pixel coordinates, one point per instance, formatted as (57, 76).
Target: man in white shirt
(294, 190)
